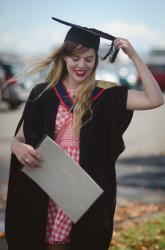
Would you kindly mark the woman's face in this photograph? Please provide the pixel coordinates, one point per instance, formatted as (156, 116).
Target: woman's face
(80, 65)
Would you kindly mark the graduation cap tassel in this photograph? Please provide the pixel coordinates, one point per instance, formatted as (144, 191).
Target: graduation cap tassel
(108, 53)
(112, 54)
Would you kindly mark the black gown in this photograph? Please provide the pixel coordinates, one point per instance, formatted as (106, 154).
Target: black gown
(101, 143)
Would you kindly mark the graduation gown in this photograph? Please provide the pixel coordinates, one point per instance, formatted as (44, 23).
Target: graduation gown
(101, 143)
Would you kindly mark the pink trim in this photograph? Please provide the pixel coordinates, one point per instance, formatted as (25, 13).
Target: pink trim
(64, 105)
(100, 93)
(59, 97)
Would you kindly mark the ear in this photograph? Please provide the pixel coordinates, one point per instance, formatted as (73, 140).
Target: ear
(64, 58)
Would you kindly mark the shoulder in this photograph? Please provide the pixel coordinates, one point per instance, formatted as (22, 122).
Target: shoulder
(114, 94)
(112, 88)
(106, 84)
(39, 87)
(39, 90)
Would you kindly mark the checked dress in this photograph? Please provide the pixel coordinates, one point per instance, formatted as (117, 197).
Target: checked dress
(59, 224)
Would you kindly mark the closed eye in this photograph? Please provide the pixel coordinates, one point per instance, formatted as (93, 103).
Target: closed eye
(75, 58)
(87, 59)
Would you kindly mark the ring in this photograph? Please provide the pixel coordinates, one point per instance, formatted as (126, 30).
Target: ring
(27, 161)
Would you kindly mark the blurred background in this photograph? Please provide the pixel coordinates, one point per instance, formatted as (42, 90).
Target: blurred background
(28, 34)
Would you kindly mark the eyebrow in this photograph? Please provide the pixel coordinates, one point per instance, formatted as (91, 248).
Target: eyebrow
(90, 56)
(85, 56)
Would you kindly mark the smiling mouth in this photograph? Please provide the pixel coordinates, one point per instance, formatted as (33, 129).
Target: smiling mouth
(80, 73)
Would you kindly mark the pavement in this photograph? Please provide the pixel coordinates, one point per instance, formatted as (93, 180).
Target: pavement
(140, 169)
(3, 245)
(141, 178)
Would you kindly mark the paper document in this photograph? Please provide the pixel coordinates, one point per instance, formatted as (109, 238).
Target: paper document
(72, 189)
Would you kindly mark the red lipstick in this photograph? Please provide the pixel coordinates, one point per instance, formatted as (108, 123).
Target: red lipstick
(80, 73)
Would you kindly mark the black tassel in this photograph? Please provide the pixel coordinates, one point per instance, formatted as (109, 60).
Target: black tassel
(112, 53)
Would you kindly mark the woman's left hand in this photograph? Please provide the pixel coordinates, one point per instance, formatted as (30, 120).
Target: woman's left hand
(125, 45)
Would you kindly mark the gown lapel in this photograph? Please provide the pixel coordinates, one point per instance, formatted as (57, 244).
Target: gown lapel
(65, 99)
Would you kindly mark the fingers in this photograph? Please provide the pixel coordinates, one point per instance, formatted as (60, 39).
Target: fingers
(28, 156)
(32, 159)
(124, 44)
(30, 162)
(36, 155)
(121, 42)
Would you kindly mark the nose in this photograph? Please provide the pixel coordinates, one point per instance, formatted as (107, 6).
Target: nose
(81, 63)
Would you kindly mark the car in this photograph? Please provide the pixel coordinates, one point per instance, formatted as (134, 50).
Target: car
(158, 71)
(12, 91)
(156, 64)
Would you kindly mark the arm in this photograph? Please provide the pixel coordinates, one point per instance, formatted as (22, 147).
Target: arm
(151, 97)
(24, 151)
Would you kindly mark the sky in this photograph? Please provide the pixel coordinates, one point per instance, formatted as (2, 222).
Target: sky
(26, 26)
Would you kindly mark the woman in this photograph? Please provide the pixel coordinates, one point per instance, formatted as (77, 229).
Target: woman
(86, 121)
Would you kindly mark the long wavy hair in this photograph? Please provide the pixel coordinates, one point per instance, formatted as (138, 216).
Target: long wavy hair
(58, 71)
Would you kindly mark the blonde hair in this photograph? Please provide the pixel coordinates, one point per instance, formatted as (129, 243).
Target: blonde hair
(58, 71)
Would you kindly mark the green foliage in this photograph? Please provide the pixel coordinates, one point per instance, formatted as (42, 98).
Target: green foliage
(149, 235)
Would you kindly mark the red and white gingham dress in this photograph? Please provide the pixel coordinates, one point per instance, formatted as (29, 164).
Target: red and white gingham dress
(58, 223)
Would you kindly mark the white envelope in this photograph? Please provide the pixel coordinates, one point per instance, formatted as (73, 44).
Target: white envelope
(64, 180)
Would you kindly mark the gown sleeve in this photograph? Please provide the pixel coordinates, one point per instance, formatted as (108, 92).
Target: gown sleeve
(32, 113)
(27, 119)
(26, 108)
(122, 118)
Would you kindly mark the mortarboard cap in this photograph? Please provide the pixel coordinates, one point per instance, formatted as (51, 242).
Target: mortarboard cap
(89, 38)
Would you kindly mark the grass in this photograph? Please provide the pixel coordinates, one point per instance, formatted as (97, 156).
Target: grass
(148, 235)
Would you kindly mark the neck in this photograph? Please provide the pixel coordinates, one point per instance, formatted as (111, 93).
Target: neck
(70, 83)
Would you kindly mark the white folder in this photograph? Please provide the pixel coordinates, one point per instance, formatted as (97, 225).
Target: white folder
(64, 180)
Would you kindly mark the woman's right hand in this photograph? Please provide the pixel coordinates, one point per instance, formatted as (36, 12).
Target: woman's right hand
(26, 154)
